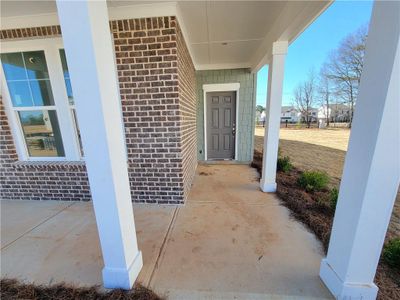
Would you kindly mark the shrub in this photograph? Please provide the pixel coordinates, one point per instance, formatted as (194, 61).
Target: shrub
(391, 253)
(313, 180)
(333, 197)
(284, 164)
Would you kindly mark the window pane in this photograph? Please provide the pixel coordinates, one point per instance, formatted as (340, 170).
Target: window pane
(22, 71)
(78, 132)
(42, 133)
(66, 77)
(20, 93)
(13, 66)
(35, 64)
(64, 63)
(69, 91)
(41, 92)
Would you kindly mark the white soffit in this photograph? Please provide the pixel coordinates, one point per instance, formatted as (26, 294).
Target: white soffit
(224, 34)
(219, 34)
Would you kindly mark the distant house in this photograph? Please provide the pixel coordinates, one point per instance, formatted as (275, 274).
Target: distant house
(290, 114)
(340, 113)
(312, 115)
(260, 117)
(336, 112)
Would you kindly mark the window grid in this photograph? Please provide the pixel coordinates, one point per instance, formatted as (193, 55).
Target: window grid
(56, 100)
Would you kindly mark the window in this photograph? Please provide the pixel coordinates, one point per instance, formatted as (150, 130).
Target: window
(39, 100)
(70, 97)
(29, 87)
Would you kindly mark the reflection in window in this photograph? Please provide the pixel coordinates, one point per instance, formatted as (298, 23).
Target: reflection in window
(35, 65)
(27, 78)
(42, 133)
(68, 87)
(78, 132)
(29, 87)
(20, 93)
(66, 77)
(41, 92)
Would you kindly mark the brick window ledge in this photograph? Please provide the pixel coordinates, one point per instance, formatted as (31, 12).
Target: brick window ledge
(50, 165)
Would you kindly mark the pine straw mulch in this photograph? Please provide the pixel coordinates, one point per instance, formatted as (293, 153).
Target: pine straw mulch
(313, 210)
(13, 289)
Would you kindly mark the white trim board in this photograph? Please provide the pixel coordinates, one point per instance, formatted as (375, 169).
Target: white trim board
(223, 66)
(147, 10)
(220, 87)
(50, 47)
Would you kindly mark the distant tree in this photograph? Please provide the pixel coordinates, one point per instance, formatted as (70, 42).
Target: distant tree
(345, 66)
(36, 120)
(304, 97)
(324, 90)
(260, 108)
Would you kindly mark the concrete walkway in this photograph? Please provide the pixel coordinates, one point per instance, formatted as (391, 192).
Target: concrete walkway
(230, 241)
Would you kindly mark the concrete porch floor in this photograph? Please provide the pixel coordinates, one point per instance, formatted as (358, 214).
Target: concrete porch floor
(229, 241)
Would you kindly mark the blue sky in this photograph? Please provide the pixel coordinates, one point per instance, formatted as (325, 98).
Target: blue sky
(313, 46)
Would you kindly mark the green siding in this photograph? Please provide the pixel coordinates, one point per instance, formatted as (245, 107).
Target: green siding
(245, 123)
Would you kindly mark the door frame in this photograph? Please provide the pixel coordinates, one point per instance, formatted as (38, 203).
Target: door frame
(221, 87)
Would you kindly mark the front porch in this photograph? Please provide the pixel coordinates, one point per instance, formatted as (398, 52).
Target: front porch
(230, 239)
(136, 107)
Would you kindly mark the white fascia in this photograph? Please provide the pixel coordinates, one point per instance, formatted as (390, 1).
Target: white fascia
(115, 13)
(149, 10)
(224, 66)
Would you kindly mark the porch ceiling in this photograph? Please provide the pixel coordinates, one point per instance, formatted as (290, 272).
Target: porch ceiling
(220, 34)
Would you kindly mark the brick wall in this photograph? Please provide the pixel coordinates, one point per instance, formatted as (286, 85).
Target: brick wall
(157, 104)
(34, 32)
(30, 180)
(245, 124)
(37, 181)
(187, 108)
(147, 69)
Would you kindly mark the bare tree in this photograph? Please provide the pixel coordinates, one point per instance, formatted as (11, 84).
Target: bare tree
(325, 93)
(344, 68)
(304, 97)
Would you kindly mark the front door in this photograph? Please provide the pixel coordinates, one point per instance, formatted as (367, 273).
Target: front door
(221, 124)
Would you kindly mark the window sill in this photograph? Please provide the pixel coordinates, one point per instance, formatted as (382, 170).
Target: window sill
(50, 165)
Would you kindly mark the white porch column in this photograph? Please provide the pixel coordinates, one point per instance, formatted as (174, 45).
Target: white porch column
(372, 166)
(273, 116)
(88, 47)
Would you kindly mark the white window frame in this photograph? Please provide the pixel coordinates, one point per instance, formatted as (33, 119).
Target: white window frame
(51, 47)
(221, 87)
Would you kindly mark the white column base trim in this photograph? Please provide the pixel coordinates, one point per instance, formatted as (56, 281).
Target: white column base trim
(346, 290)
(123, 278)
(267, 187)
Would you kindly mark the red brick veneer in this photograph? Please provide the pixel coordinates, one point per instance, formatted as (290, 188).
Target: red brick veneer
(157, 87)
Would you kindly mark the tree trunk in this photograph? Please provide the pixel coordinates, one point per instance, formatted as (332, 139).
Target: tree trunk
(327, 109)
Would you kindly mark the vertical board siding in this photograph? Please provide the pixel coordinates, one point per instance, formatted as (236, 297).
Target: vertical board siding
(246, 121)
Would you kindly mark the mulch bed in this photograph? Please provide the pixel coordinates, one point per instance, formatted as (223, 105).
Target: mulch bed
(12, 289)
(313, 210)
